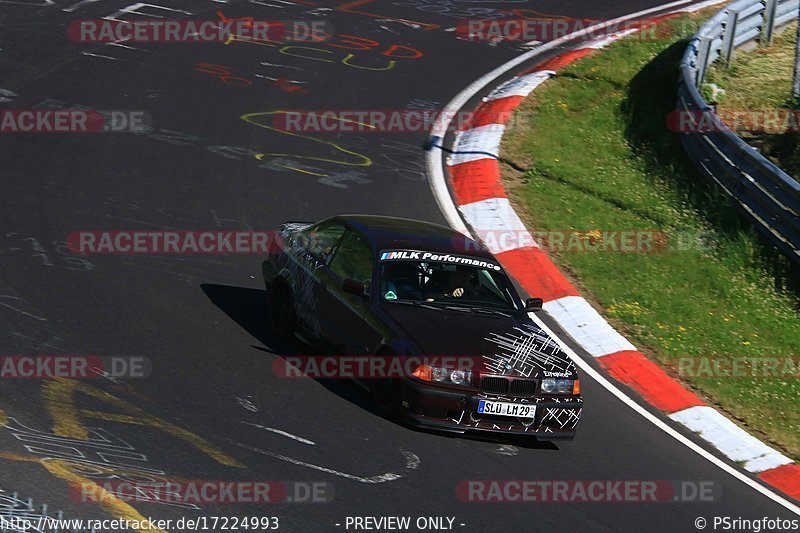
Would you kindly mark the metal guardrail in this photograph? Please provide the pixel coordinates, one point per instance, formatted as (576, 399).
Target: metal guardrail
(765, 193)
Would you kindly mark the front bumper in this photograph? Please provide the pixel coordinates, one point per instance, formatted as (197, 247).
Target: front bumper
(457, 412)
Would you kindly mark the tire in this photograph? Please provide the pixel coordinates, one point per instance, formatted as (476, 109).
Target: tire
(386, 395)
(280, 311)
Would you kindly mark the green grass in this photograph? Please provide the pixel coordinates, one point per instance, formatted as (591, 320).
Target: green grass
(761, 80)
(590, 150)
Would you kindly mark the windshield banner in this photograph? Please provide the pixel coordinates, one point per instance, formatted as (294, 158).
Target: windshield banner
(419, 255)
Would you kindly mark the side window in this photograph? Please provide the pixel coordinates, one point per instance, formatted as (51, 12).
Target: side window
(322, 241)
(353, 259)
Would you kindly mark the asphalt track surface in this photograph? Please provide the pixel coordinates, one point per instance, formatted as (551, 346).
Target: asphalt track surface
(200, 318)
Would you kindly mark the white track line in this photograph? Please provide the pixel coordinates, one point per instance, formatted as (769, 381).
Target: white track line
(441, 192)
(372, 480)
(282, 433)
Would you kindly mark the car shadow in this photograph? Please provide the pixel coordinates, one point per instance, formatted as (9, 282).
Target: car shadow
(248, 308)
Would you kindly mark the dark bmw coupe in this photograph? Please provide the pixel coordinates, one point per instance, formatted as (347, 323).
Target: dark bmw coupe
(373, 286)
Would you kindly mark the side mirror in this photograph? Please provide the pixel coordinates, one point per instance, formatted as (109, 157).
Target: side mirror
(533, 304)
(353, 286)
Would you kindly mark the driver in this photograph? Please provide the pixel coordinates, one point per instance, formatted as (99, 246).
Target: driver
(453, 284)
(456, 283)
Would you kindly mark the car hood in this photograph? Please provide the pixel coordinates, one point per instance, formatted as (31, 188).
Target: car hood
(507, 345)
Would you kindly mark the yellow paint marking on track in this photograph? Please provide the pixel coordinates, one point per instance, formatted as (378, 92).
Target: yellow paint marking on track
(94, 492)
(104, 498)
(349, 57)
(111, 417)
(58, 400)
(3, 419)
(246, 39)
(59, 396)
(253, 118)
(20, 457)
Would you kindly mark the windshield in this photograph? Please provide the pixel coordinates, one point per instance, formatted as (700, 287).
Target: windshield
(446, 283)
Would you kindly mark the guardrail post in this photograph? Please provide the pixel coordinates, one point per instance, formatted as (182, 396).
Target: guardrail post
(768, 26)
(796, 74)
(729, 37)
(703, 49)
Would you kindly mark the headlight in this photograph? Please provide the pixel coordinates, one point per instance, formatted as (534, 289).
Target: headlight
(561, 386)
(443, 375)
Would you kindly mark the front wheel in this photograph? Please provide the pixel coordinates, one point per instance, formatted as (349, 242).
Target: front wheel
(386, 394)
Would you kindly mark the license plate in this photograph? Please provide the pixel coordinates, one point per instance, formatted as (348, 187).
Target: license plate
(520, 410)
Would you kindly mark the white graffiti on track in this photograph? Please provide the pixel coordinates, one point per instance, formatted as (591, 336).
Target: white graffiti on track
(18, 512)
(29, 3)
(459, 9)
(412, 463)
(282, 433)
(4, 302)
(247, 403)
(56, 253)
(7, 95)
(101, 458)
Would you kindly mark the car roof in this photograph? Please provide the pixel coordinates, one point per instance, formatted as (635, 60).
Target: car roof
(393, 233)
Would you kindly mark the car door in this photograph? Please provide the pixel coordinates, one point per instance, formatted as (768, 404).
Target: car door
(313, 247)
(347, 314)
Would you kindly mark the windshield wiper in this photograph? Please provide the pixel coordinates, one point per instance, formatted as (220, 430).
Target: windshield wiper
(443, 305)
(457, 308)
(415, 304)
(473, 309)
(489, 311)
(440, 306)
